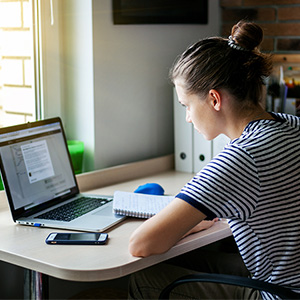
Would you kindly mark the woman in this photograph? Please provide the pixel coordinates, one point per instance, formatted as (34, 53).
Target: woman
(254, 182)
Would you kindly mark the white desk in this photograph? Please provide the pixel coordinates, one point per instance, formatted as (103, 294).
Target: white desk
(25, 246)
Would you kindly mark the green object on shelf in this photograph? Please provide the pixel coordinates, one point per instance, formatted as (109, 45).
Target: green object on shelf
(1, 184)
(76, 149)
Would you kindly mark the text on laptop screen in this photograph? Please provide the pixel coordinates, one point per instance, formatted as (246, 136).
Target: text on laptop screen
(36, 163)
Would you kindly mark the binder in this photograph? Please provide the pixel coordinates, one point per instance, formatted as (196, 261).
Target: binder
(202, 149)
(183, 136)
(219, 143)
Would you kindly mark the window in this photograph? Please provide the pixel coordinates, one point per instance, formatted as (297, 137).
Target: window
(17, 90)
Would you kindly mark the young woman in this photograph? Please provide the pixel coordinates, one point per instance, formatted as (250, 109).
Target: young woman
(254, 182)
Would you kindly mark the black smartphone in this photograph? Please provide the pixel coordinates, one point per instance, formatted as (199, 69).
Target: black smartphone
(77, 238)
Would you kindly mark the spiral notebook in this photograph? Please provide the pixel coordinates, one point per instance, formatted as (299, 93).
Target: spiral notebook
(139, 205)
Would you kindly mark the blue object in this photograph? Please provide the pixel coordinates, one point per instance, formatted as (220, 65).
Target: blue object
(150, 188)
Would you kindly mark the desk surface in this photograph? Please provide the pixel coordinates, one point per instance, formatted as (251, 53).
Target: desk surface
(25, 246)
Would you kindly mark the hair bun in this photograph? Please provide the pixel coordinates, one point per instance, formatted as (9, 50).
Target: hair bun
(248, 35)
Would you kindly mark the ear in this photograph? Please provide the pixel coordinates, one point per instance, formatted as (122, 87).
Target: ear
(215, 99)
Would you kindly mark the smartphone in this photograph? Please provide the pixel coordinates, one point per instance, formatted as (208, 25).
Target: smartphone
(77, 238)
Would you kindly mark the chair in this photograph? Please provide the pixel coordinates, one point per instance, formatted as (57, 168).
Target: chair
(282, 292)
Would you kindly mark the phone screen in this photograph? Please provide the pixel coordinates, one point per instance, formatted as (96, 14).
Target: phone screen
(81, 238)
(77, 236)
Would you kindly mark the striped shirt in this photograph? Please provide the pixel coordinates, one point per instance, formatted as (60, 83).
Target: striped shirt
(255, 183)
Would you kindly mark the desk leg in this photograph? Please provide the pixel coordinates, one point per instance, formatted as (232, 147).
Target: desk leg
(35, 285)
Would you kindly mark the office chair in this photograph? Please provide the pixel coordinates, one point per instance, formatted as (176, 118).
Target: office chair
(282, 292)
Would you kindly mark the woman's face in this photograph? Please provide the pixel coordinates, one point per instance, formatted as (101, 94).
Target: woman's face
(198, 111)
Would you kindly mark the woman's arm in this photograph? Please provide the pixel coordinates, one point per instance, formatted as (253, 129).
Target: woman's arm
(159, 233)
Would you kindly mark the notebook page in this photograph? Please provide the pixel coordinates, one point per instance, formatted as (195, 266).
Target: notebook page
(139, 205)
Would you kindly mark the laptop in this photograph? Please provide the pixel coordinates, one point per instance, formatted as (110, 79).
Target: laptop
(40, 183)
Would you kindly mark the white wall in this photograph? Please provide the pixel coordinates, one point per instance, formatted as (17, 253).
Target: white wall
(67, 61)
(109, 83)
(133, 97)
(77, 65)
(50, 50)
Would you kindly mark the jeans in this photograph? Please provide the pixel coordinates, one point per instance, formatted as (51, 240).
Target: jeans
(221, 257)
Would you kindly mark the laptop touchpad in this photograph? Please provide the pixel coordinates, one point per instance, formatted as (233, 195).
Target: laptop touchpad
(107, 211)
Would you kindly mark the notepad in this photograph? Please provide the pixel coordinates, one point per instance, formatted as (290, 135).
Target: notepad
(139, 205)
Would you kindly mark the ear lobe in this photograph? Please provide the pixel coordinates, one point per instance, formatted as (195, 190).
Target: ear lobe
(216, 99)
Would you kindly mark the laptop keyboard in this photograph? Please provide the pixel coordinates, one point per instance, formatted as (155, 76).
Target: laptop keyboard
(74, 209)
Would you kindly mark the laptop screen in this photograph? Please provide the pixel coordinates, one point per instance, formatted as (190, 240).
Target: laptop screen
(35, 164)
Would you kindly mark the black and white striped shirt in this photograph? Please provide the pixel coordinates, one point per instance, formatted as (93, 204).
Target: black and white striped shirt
(255, 183)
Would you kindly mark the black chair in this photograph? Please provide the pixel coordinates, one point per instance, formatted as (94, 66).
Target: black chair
(282, 292)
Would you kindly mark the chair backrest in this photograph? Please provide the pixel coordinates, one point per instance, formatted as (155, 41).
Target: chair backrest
(282, 292)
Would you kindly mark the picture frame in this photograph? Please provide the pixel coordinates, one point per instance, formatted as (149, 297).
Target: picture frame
(127, 12)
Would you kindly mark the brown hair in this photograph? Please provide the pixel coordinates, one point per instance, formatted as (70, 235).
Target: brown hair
(236, 64)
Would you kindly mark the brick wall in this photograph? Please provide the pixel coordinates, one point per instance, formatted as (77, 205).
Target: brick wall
(280, 20)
